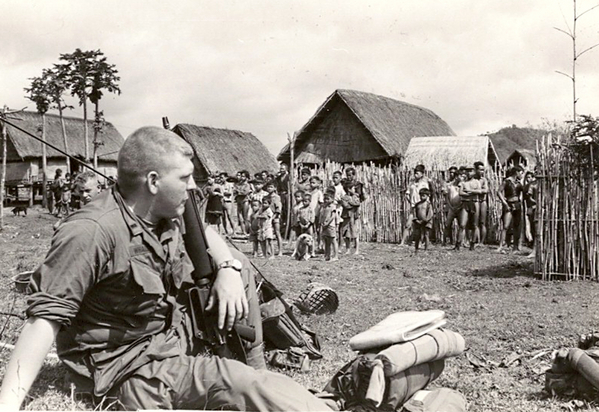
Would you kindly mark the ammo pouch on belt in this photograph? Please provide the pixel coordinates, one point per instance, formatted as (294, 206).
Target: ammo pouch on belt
(282, 330)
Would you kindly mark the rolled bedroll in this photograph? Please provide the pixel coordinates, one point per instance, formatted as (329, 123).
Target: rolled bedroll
(585, 365)
(401, 387)
(436, 344)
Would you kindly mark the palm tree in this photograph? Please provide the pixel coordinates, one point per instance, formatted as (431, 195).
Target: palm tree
(79, 74)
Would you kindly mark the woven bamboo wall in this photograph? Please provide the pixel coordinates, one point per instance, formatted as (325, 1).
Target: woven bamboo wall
(385, 211)
(568, 221)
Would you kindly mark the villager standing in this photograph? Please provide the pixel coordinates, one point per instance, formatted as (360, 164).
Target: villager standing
(530, 201)
(423, 219)
(241, 192)
(282, 183)
(481, 225)
(453, 202)
(356, 224)
(413, 197)
(469, 194)
(303, 182)
(510, 195)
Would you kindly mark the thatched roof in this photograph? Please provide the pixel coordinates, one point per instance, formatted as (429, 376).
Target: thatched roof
(512, 138)
(442, 152)
(518, 156)
(391, 123)
(27, 147)
(225, 150)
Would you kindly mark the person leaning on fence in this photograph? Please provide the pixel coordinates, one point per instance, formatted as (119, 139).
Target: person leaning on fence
(481, 225)
(112, 291)
(510, 195)
(469, 195)
(530, 201)
(423, 219)
(413, 197)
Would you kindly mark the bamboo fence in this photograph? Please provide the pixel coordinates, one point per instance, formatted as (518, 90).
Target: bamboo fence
(384, 213)
(568, 221)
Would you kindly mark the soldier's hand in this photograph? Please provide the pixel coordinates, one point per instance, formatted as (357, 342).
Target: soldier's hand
(229, 294)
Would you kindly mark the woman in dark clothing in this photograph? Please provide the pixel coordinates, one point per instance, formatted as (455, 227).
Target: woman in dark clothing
(510, 194)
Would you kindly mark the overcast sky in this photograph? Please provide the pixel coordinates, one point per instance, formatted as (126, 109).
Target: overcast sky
(266, 66)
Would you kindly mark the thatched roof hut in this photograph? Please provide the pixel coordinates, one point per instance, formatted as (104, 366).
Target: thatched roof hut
(20, 146)
(353, 126)
(442, 152)
(224, 150)
(522, 157)
(24, 153)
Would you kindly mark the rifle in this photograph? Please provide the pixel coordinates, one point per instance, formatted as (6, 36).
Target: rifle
(205, 323)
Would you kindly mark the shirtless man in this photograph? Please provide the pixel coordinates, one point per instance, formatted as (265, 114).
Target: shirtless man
(481, 226)
(469, 192)
(453, 201)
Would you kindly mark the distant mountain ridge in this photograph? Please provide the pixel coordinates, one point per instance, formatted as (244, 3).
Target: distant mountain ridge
(511, 138)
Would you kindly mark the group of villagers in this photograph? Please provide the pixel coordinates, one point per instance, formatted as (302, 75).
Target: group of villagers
(262, 209)
(466, 195)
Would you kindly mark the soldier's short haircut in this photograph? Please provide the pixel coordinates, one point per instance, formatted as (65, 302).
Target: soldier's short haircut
(148, 149)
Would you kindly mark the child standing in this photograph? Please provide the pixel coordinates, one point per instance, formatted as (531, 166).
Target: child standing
(298, 197)
(305, 216)
(350, 203)
(258, 194)
(275, 205)
(423, 218)
(254, 226)
(265, 231)
(329, 222)
(214, 205)
(339, 191)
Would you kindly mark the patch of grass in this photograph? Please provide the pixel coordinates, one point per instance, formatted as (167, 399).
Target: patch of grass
(493, 300)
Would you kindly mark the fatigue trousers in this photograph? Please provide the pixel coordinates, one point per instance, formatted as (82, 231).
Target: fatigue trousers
(201, 381)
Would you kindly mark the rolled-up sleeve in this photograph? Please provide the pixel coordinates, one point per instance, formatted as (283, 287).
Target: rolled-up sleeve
(77, 256)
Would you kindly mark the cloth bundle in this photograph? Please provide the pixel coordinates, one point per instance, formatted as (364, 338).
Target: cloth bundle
(400, 356)
(574, 371)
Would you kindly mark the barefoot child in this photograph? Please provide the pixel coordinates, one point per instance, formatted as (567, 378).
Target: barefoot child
(298, 198)
(275, 205)
(254, 225)
(265, 231)
(350, 215)
(241, 191)
(329, 222)
(305, 218)
(423, 218)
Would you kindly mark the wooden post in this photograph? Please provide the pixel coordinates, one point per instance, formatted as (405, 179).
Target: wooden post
(2, 180)
(291, 189)
(44, 166)
(64, 137)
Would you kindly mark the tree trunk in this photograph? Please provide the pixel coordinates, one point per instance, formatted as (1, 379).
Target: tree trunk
(85, 130)
(96, 135)
(2, 179)
(44, 165)
(64, 137)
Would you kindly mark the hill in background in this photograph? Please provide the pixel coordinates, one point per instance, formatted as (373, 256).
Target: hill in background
(508, 139)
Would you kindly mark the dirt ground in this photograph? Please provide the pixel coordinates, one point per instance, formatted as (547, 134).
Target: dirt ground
(493, 300)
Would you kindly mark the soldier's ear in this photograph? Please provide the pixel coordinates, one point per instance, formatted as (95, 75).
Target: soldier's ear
(152, 182)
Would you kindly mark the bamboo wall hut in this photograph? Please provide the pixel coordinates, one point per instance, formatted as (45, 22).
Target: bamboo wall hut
(225, 150)
(525, 158)
(24, 153)
(442, 152)
(356, 127)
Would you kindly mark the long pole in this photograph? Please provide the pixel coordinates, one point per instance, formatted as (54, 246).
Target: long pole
(44, 164)
(2, 180)
(291, 189)
(57, 149)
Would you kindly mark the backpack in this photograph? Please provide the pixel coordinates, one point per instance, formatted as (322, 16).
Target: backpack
(280, 327)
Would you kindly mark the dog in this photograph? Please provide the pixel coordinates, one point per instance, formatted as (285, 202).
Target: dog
(20, 209)
(303, 246)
